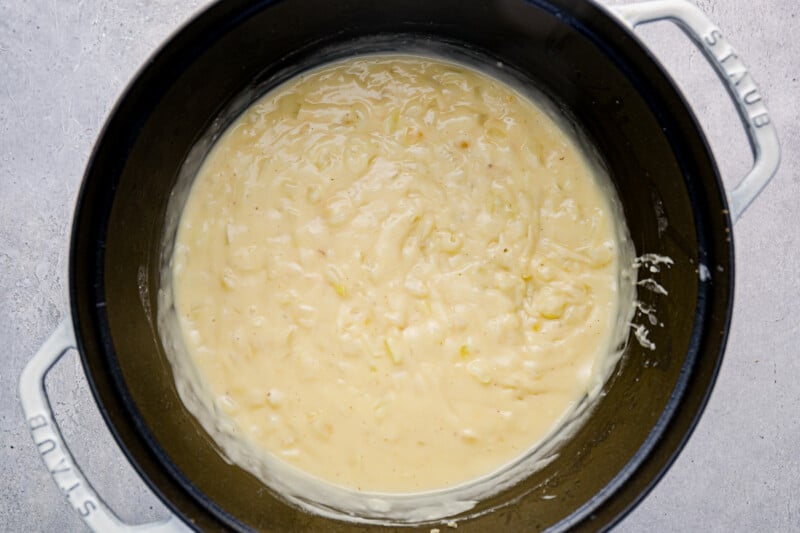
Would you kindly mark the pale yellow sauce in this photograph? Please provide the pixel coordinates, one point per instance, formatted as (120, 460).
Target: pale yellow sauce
(396, 274)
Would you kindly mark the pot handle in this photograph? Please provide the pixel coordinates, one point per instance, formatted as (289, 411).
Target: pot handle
(737, 80)
(55, 454)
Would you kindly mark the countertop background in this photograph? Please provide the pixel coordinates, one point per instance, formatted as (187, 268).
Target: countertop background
(62, 67)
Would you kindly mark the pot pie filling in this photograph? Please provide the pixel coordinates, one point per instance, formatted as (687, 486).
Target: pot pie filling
(397, 275)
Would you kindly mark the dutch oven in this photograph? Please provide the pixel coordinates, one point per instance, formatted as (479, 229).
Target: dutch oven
(587, 60)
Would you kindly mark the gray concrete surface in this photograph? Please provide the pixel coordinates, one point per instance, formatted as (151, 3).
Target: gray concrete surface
(62, 66)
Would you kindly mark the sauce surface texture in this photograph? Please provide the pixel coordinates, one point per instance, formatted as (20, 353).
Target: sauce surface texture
(396, 274)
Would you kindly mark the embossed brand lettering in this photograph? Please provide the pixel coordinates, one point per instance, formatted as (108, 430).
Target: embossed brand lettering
(761, 120)
(731, 55)
(46, 446)
(37, 422)
(59, 467)
(738, 76)
(712, 38)
(86, 508)
(752, 97)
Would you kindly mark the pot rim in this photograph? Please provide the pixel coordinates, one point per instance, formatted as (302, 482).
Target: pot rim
(608, 506)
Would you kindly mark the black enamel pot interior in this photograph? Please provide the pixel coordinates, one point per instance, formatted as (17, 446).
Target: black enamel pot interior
(571, 50)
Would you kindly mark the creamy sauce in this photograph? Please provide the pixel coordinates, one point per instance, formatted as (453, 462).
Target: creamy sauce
(396, 275)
